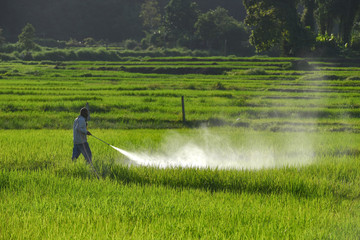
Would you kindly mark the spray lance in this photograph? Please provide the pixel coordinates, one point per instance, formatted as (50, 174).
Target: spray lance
(127, 154)
(101, 140)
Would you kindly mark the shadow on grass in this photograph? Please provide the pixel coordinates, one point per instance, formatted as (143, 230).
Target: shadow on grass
(271, 181)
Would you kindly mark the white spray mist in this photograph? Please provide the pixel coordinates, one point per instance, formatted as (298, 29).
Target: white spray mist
(209, 150)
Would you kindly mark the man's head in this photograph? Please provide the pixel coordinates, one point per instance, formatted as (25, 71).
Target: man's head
(84, 112)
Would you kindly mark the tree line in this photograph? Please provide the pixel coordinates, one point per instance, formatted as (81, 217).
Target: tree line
(320, 24)
(286, 27)
(112, 20)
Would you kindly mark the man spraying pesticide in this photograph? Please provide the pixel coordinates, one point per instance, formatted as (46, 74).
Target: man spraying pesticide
(80, 133)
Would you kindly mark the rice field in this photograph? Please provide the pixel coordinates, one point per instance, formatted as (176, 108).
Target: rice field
(279, 147)
(260, 95)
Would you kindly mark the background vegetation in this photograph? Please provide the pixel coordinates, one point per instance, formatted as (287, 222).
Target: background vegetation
(287, 28)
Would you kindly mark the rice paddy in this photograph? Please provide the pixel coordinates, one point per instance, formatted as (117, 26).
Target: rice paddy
(292, 131)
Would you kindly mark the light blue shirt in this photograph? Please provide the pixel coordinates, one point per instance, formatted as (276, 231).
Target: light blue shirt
(80, 131)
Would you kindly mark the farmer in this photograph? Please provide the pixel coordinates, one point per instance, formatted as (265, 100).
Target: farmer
(80, 137)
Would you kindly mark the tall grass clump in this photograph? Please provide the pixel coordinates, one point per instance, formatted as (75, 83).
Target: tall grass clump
(255, 71)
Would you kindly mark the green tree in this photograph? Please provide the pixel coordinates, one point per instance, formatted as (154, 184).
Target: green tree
(277, 22)
(308, 18)
(344, 12)
(207, 27)
(179, 20)
(355, 38)
(150, 14)
(265, 25)
(325, 16)
(347, 16)
(26, 37)
(219, 30)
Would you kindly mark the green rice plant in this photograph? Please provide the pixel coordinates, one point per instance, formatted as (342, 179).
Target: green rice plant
(294, 133)
(255, 71)
(45, 195)
(291, 95)
(64, 205)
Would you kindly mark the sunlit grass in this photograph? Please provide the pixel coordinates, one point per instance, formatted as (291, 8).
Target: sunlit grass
(294, 132)
(153, 100)
(45, 195)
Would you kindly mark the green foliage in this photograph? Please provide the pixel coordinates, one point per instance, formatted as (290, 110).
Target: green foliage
(7, 57)
(277, 23)
(219, 86)
(89, 41)
(220, 31)
(26, 38)
(72, 42)
(307, 18)
(344, 11)
(355, 41)
(266, 32)
(103, 54)
(130, 44)
(150, 14)
(9, 48)
(51, 43)
(302, 65)
(326, 46)
(255, 71)
(179, 19)
(2, 38)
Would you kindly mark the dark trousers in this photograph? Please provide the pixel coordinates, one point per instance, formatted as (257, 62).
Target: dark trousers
(84, 149)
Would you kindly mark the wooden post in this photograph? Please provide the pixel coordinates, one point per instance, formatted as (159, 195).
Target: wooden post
(183, 108)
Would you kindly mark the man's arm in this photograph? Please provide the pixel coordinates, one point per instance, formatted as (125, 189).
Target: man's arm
(82, 126)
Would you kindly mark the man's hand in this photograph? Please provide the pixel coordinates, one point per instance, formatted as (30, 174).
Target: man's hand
(88, 133)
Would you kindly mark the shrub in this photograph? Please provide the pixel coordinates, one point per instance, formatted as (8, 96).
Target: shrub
(48, 42)
(255, 71)
(130, 44)
(56, 55)
(219, 86)
(241, 102)
(144, 44)
(353, 78)
(326, 46)
(7, 57)
(355, 41)
(89, 41)
(87, 54)
(298, 65)
(26, 55)
(9, 48)
(200, 53)
(103, 54)
(26, 38)
(73, 43)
